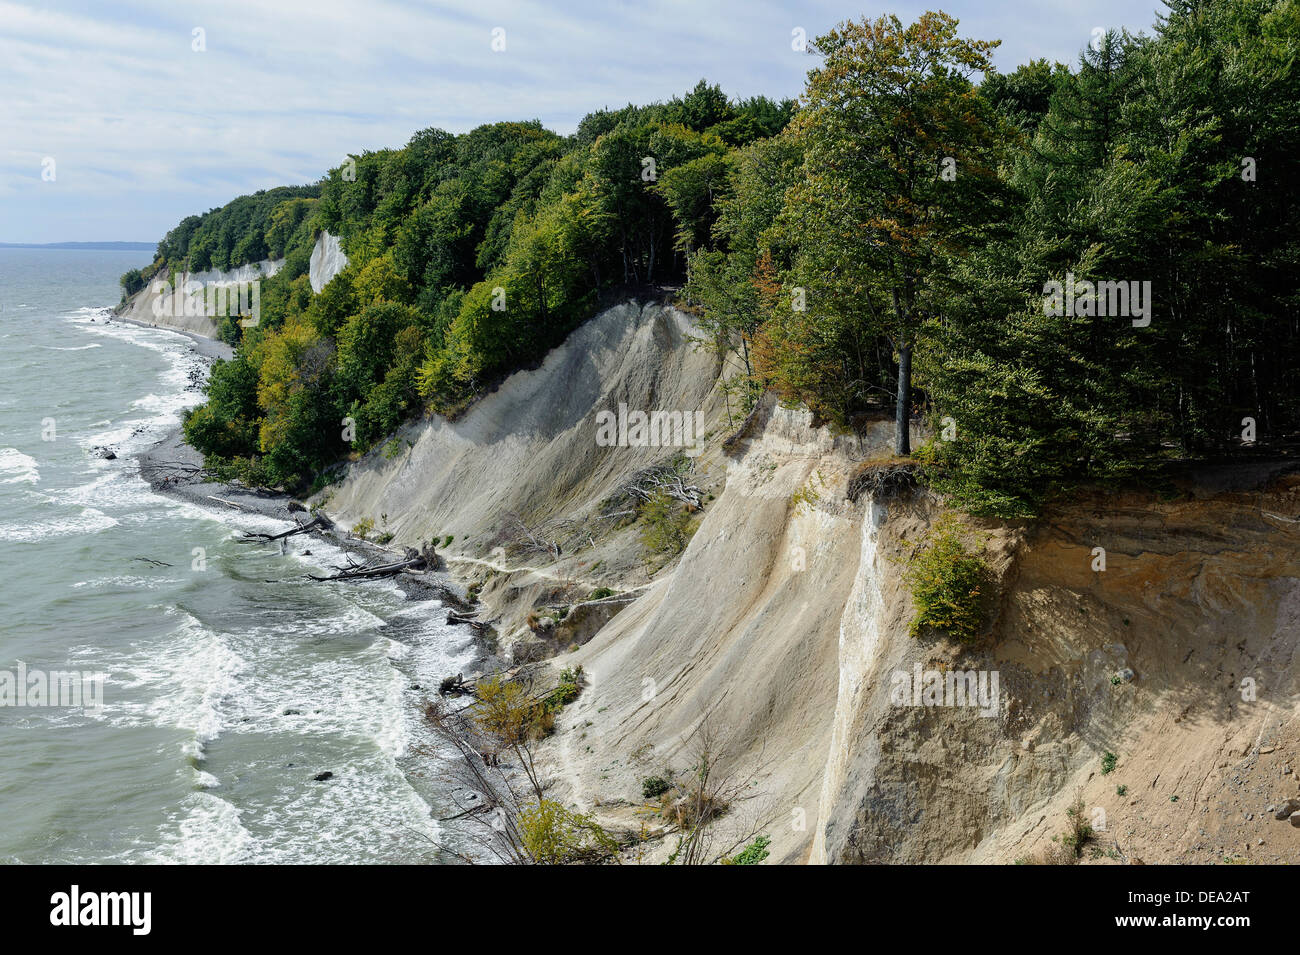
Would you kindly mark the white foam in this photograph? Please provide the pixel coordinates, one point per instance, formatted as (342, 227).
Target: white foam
(192, 674)
(126, 582)
(207, 831)
(89, 521)
(177, 395)
(18, 467)
(365, 812)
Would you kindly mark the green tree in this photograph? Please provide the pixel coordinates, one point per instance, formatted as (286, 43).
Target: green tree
(899, 177)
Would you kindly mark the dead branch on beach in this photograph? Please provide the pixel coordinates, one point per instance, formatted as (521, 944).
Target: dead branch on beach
(413, 560)
(176, 472)
(178, 467)
(319, 521)
(457, 686)
(479, 627)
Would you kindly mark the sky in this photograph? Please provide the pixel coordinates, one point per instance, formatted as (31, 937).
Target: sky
(120, 118)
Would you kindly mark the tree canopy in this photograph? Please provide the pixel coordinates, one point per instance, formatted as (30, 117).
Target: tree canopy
(1077, 274)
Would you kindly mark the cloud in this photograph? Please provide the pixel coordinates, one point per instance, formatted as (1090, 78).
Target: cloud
(144, 129)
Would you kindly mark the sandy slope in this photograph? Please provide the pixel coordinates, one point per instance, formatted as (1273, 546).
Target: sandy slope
(530, 447)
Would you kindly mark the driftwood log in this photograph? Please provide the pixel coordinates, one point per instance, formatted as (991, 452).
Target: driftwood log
(319, 521)
(413, 560)
(457, 686)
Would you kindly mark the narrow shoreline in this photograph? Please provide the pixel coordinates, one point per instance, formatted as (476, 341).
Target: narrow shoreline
(171, 467)
(209, 349)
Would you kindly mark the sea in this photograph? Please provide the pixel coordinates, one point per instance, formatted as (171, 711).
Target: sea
(227, 680)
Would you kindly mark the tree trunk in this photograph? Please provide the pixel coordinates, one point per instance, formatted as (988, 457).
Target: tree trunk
(902, 412)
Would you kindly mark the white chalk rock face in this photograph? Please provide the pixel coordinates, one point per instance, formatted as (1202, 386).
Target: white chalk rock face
(327, 261)
(181, 300)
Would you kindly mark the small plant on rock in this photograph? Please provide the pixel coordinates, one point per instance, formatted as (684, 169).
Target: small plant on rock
(655, 786)
(752, 854)
(949, 585)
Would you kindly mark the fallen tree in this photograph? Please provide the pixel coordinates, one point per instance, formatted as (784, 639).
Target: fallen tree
(664, 480)
(320, 522)
(370, 570)
(670, 480)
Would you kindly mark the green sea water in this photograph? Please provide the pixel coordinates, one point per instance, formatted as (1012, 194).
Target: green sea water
(228, 687)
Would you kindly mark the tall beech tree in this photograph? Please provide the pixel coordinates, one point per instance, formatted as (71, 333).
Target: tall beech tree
(899, 177)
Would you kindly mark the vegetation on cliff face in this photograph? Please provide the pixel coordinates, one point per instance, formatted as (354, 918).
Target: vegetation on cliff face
(469, 256)
(950, 585)
(888, 246)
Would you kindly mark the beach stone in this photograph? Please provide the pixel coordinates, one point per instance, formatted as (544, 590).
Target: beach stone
(1286, 809)
(321, 777)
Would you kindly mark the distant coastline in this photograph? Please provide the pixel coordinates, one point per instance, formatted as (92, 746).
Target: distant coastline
(84, 246)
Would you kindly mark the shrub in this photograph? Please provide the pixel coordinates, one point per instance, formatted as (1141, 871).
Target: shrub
(1108, 762)
(696, 808)
(446, 541)
(570, 686)
(949, 585)
(808, 495)
(665, 527)
(503, 709)
(1080, 832)
(1066, 849)
(248, 471)
(600, 593)
(752, 854)
(554, 835)
(363, 527)
(653, 786)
